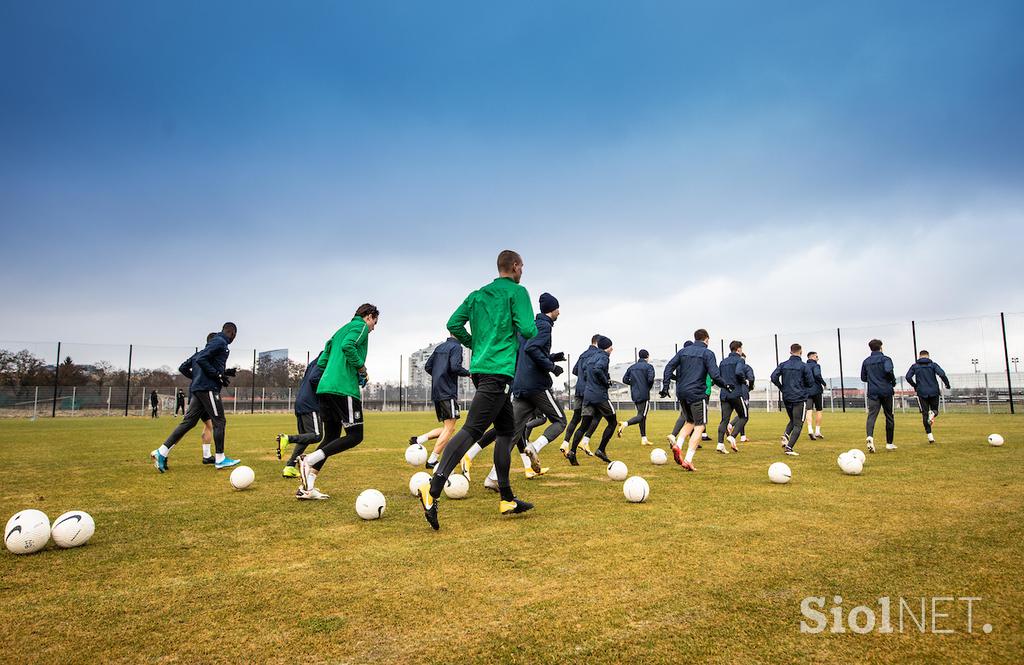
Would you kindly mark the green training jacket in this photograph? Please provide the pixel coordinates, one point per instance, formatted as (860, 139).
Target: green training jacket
(495, 313)
(343, 355)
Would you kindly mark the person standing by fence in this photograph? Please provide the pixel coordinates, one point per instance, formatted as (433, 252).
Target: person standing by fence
(154, 403)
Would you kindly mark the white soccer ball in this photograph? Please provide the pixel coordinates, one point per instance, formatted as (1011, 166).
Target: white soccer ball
(456, 487)
(859, 454)
(851, 465)
(418, 479)
(636, 489)
(841, 460)
(73, 529)
(658, 456)
(370, 504)
(416, 455)
(27, 531)
(617, 470)
(242, 477)
(779, 473)
(995, 439)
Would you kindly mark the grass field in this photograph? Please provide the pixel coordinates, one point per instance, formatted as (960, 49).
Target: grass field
(713, 567)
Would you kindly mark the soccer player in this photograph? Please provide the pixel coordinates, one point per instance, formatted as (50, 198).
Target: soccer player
(179, 402)
(793, 377)
(640, 379)
(695, 363)
(154, 401)
(877, 372)
(496, 313)
(445, 367)
(491, 481)
(596, 405)
(738, 425)
(209, 375)
(307, 415)
(924, 377)
(816, 400)
(577, 399)
(343, 362)
(733, 370)
(186, 370)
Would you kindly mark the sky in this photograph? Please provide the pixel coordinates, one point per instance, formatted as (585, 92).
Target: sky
(747, 167)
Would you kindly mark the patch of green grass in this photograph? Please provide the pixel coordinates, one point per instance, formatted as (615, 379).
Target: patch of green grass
(184, 569)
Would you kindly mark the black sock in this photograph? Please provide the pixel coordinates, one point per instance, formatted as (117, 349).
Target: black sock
(506, 494)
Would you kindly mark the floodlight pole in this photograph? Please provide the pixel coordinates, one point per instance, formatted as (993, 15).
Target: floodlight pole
(56, 382)
(842, 381)
(252, 394)
(1006, 357)
(128, 381)
(400, 363)
(777, 364)
(913, 332)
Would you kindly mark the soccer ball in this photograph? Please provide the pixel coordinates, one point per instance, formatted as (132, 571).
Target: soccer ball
(841, 460)
(995, 439)
(456, 487)
(779, 473)
(859, 454)
(72, 529)
(658, 456)
(242, 477)
(27, 531)
(416, 455)
(617, 470)
(418, 479)
(370, 504)
(850, 464)
(636, 489)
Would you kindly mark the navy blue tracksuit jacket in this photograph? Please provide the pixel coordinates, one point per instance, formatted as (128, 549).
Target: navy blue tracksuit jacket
(209, 365)
(445, 367)
(579, 368)
(793, 377)
(640, 379)
(306, 400)
(819, 383)
(924, 376)
(734, 370)
(877, 372)
(598, 379)
(534, 363)
(694, 363)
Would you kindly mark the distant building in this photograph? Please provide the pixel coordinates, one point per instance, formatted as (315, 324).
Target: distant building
(274, 355)
(419, 379)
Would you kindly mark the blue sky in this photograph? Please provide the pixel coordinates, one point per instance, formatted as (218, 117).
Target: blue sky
(744, 166)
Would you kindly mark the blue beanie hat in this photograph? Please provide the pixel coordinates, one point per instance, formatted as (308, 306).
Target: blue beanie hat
(548, 303)
(643, 353)
(604, 343)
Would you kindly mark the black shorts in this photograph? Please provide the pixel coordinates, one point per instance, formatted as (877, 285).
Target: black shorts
(577, 402)
(816, 402)
(446, 409)
(695, 412)
(927, 404)
(341, 409)
(600, 409)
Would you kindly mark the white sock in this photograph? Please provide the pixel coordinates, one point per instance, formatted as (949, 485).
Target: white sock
(218, 458)
(585, 441)
(432, 459)
(206, 450)
(526, 461)
(422, 438)
(310, 480)
(474, 450)
(315, 457)
(689, 455)
(493, 475)
(930, 437)
(743, 437)
(164, 450)
(644, 439)
(817, 430)
(720, 446)
(539, 444)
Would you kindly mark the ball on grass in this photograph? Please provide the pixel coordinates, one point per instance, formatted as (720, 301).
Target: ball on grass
(418, 479)
(617, 470)
(242, 477)
(779, 473)
(416, 455)
(370, 504)
(27, 531)
(636, 489)
(456, 487)
(73, 529)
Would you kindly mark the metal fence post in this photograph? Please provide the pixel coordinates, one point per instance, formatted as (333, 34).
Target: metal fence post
(777, 364)
(128, 382)
(74, 393)
(252, 393)
(842, 381)
(988, 398)
(35, 404)
(913, 332)
(234, 405)
(400, 403)
(56, 382)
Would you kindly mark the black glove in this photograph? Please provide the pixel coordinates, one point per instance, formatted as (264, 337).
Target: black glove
(224, 381)
(558, 357)
(231, 372)
(663, 393)
(557, 371)
(363, 380)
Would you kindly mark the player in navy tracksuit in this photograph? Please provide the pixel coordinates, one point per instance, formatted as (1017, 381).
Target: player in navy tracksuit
(209, 375)
(877, 372)
(307, 415)
(737, 428)
(596, 405)
(924, 377)
(640, 379)
(445, 368)
(816, 399)
(734, 370)
(185, 369)
(531, 392)
(577, 398)
(793, 377)
(691, 367)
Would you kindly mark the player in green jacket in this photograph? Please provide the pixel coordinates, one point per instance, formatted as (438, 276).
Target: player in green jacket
(344, 364)
(496, 313)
